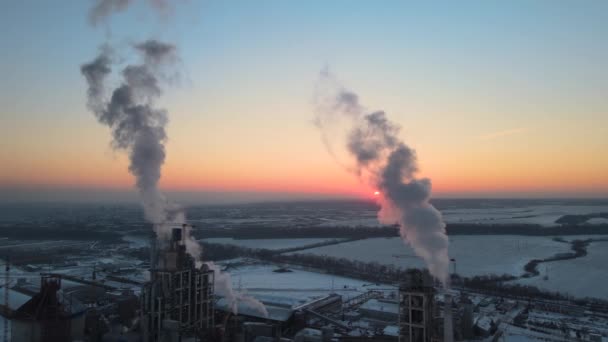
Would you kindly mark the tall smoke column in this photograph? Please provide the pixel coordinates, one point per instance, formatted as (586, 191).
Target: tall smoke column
(389, 165)
(104, 8)
(137, 126)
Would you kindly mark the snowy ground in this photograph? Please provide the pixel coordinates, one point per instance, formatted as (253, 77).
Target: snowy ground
(381, 250)
(581, 277)
(371, 221)
(583, 237)
(475, 255)
(597, 220)
(544, 215)
(260, 280)
(137, 241)
(266, 243)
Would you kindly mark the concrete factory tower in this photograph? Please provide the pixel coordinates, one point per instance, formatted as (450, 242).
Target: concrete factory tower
(178, 300)
(416, 302)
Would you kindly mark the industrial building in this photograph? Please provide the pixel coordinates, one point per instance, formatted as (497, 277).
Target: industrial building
(47, 316)
(416, 304)
(178, 300)
(102, 300)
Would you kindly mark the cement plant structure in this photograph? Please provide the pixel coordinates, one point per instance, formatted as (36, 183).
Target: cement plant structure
(177, 302)
(416, 303)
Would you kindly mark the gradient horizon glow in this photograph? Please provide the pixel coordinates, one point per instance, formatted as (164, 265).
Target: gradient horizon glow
(499, 99)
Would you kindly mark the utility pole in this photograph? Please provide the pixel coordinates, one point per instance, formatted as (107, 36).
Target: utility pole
(6, 299)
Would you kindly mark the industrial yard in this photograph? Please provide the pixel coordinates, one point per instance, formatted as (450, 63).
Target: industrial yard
(303, 171)
(104, 283)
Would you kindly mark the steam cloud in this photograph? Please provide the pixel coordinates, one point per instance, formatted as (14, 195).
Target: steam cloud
(223, 287)
(138, 127)
(390, 166)
(104, 8)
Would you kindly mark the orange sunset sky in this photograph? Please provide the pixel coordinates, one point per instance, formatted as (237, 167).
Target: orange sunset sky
(512, 104)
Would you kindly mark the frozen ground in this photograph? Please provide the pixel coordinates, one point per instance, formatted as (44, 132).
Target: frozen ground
(597, 220)
(136, 241)
(265, 243)
(544, 215)
(581, 277)
(380, 250)
(475, 255)
(370, 221)
(260, 280)
(584, 237)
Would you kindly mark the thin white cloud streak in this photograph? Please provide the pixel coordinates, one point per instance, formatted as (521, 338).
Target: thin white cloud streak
(504, 133)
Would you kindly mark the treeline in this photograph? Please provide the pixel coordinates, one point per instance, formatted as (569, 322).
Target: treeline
(59, 232)
(494, 285)
(372, 272)
(50, 255)
(579, 249)
(525, 229)
(258, 232)
(580, 219)
(498, 286)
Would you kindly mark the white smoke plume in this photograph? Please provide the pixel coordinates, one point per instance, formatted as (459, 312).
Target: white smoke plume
(138, 127)
(102, 9)
(223, 287)
(390, 166)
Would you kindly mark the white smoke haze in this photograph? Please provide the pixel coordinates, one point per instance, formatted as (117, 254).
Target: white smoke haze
(102, 9)
(223, 287)
(137, 125)
(386, 163)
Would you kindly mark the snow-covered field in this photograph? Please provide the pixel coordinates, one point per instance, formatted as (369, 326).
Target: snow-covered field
(581, 277)
(597, 220)
(584, 237)
(475, 255)
(371, 221)
(260, 280)
(544, 215)
(266, 243)
(380, 250)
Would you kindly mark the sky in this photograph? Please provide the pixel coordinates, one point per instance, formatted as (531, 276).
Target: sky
(499, 99)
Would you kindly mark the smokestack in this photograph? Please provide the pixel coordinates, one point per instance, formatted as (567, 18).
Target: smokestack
(389, 166)
(448, 330)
